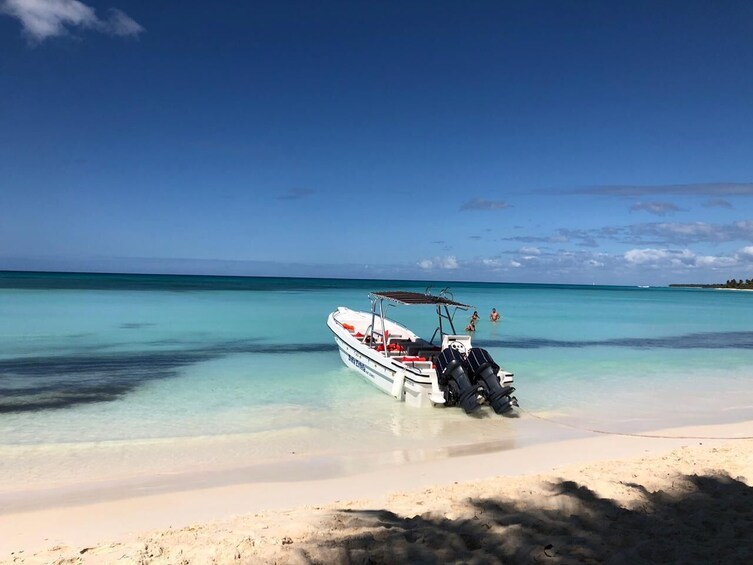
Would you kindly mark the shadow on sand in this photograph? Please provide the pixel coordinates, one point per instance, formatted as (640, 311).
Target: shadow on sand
(698, 519)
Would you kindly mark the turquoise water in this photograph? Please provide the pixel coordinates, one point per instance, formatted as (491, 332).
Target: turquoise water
(106, 377)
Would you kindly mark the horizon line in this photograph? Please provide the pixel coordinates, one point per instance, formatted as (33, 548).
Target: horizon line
(142, 274)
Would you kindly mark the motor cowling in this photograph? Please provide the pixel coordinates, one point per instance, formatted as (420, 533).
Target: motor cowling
(453, 376)
(484, 372)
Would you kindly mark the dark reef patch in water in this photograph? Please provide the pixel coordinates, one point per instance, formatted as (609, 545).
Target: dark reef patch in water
(710, 340)
(61, 381)
(96, 375)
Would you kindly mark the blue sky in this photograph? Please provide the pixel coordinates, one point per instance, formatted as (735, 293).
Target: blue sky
(607, 142)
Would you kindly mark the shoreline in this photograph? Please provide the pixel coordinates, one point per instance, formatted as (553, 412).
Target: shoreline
(78, 525)
(102, 476)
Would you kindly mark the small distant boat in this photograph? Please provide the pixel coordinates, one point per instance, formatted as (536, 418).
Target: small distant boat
(447, 372)
(643, 286)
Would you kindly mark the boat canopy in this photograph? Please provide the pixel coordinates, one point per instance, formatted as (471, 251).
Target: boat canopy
(405, 297)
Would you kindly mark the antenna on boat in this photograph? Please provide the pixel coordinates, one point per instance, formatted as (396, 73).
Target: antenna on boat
(446, 293)
(428, 290)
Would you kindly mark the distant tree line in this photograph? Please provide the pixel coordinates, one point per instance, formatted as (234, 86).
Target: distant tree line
(742, 283)
(731, 283)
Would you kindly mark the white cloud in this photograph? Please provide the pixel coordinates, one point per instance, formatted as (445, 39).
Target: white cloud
(120, 23)
(550, 263)
(530, 251)
(695, 232)
(694, 229)
(42, 19)
(656, 208)
(658, 233)
(640, 256)
(685, 259)
(668, 257)
(492, 263)
(449, 263)
(655, 265)
(715, 262)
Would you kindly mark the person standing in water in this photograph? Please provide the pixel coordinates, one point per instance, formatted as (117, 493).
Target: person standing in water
(471, 327)
(494, 316)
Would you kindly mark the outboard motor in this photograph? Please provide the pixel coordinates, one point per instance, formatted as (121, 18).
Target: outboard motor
(454, 378)
(485, 372)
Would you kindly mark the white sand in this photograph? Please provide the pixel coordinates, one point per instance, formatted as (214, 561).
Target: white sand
(605, 498)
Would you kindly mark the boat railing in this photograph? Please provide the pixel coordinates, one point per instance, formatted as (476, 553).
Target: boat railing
(372, 337)
(367, 335)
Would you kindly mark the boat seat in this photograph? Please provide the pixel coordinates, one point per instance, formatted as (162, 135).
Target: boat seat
(414, 348)
(428, 354)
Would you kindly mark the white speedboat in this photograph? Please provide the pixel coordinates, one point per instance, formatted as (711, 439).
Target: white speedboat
(447, 372)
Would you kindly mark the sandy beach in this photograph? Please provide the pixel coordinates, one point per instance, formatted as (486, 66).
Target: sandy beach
(619, 499)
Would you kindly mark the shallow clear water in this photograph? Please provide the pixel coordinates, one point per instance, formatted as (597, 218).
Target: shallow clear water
(112, 377)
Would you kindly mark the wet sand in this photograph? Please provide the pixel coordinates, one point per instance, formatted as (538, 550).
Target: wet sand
(602, 498)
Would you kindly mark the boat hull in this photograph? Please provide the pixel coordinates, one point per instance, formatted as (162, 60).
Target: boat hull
(412, 386)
